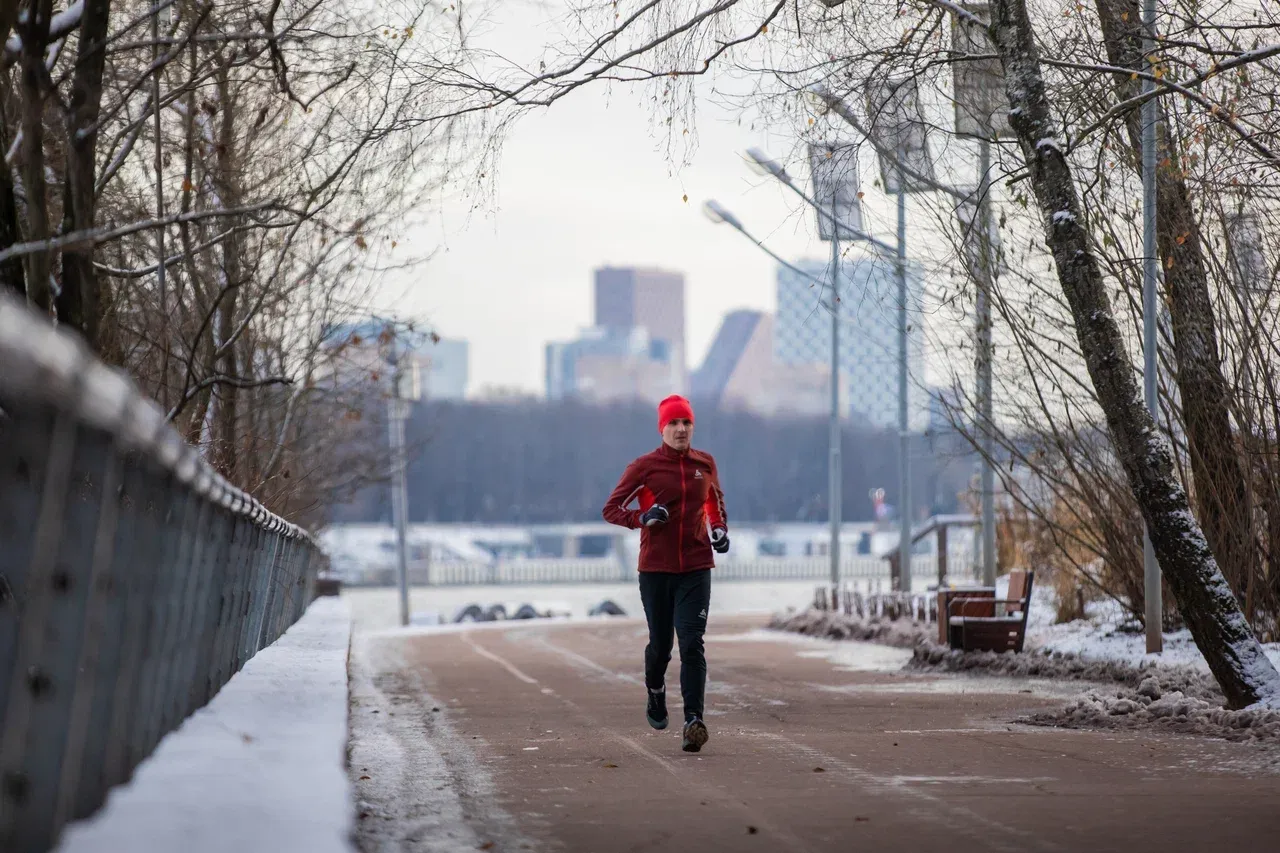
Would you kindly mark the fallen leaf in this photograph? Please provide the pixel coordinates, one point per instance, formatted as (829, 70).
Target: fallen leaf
(861, 819)
(488, 845)
(611, 766)
(819, 770)
(364, 778)
(751, 830)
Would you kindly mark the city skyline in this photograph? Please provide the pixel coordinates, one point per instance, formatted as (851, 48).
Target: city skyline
(795, 334)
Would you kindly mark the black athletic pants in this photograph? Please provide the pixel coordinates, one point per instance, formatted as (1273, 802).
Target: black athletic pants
(677, 603)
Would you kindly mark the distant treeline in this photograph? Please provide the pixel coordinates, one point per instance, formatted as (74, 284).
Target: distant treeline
(537, 462)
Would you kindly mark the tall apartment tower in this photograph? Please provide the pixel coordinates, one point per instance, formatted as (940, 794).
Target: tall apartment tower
(633, 297)
(868, 336)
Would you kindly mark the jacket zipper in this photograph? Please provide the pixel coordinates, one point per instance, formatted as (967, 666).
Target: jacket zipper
(682, 512)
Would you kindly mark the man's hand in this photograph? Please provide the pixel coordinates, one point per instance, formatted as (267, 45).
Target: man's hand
(720, 540)
(655, 515)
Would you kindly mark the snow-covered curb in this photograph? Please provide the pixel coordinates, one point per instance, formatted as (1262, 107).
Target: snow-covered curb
(1151, 706)
(260, 768)
(899, 633)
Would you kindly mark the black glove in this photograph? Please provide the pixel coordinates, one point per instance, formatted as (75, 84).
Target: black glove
(655, 515)
(720, 540)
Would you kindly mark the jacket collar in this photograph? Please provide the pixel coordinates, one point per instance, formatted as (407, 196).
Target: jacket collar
(666, 450)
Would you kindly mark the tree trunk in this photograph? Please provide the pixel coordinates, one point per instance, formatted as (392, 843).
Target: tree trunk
(11, 272)
(1221, 488)
(80, 300)
(35, 37)
(1203, 596)
(227, 181)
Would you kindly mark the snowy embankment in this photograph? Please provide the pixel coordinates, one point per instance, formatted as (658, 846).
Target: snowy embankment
(1172, 690)
(260, 768)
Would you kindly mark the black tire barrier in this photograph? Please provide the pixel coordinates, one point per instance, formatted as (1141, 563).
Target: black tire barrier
(470, 613)
(606, 608)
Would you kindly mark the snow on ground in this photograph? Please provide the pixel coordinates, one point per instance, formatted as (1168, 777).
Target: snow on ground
(1099, 637)
(260, 768)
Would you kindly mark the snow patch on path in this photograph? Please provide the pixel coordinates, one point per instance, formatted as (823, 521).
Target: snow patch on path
(260, 768)
(419, 784)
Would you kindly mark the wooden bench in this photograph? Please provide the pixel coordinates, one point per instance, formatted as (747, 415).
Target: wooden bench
(1003, 625)
(979, 601)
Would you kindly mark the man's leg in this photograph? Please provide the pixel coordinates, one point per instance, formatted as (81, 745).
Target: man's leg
(659, 612)
(692, 603)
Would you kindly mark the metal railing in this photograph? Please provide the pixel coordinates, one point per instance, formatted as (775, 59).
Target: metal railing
(871, 569)
(134, 581)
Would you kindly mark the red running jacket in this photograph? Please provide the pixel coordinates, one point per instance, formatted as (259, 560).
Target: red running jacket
(688, 485)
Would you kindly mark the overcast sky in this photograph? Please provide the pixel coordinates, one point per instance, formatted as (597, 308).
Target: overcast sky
(587, 183)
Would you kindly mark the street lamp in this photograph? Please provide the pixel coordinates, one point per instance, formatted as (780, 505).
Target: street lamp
(840, 218)
(718, 214)
(899, 134)
(1153, 612)
(405, 389)
(762, 164)
(980, 114)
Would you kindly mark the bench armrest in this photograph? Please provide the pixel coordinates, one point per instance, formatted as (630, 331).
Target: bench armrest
(955, 601)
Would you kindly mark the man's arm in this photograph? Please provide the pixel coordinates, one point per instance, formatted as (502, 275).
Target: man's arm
(714, 505)
(631, 486)
(716, 516)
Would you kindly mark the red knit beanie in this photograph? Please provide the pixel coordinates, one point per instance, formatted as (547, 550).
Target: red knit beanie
(673, 408)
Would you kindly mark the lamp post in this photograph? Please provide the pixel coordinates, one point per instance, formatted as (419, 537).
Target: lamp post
(981, 112)
(405, 388)
(843, 217)
(898, 131)
(840, 216)
(718, 214)
(1152, 592)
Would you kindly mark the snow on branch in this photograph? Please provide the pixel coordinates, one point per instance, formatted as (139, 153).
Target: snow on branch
(60, 26)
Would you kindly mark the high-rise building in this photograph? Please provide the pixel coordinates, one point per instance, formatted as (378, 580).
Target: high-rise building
(740, 372)
(444, 364)
(868, 334)
(744, 342)
(636, 349)
(606, 365)
(361, 350)
(651, 299)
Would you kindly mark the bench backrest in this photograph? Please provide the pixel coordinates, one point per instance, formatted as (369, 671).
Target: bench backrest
(1019, 589)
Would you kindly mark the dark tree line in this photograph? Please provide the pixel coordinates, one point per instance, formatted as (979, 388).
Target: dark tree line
(537, 462)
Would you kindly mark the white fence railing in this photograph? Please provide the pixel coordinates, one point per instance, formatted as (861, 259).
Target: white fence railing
(874, 571)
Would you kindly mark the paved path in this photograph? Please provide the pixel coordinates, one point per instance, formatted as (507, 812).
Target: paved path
(532, 737)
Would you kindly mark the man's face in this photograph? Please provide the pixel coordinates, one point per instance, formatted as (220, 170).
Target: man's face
(678, 433)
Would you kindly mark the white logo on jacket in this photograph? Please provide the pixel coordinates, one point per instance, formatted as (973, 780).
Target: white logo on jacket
(697, 475)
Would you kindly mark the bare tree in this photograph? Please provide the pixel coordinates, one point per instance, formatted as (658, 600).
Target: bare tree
(202, 204)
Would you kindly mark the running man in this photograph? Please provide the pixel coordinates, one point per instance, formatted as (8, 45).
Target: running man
(682, 520)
